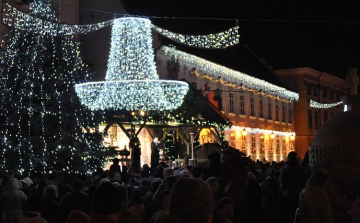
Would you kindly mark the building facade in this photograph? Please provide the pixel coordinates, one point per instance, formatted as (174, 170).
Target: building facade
(261, 113)
(316, 86)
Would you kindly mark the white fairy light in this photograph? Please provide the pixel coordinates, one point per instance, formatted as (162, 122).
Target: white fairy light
(13, 17)
(260, 131)
(131, 81)
(220, 40)
(315, 104)
(229, 77)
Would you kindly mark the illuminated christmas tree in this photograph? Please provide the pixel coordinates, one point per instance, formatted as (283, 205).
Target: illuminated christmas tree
(42, 122)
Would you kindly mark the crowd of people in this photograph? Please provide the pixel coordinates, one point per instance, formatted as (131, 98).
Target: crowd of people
(235, 190)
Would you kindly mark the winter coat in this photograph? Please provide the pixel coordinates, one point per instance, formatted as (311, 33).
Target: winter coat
(292, 178)
(314, 206)
(12, 201)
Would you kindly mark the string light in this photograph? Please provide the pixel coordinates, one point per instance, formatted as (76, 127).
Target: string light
(41, 119)
(260, 131)
(13, 17)
(220, 40)
(318, 105)
(229, 77)
(131, 81)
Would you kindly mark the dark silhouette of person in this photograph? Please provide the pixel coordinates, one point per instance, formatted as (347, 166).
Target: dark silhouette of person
(155, 153)
(115, 167)
(292, 180)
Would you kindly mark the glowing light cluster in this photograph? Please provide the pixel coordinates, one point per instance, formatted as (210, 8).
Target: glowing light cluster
(260, 131)
(131, 81)
(229, 77)
(220, 40)
(315, 104)
(13, 17)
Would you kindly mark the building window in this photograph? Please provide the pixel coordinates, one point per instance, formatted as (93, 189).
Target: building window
(325, 116)
(290, 116)
(243, 144)
(316, 117)
(310, 122)
(324, 93)
(309, 90)
(253, 144)
(231, 100)
(315, 91)
(276, 111)
(284, 146)
(277, 146)
(262, 144)
(269, 110)
(261, 108)
(331, 95)
(283, 113)
(332, 114)
(252, 107)
(242, 105)
(194, 84)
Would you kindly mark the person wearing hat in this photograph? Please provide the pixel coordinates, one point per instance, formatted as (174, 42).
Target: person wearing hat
(292, 181)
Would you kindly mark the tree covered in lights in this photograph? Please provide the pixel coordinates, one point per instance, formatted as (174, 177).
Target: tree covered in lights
(170, 145)
(42, 122)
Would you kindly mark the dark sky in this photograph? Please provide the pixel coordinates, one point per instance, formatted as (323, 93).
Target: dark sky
(323, 35)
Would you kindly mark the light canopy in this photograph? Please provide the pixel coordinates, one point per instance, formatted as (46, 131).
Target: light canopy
(131, 81)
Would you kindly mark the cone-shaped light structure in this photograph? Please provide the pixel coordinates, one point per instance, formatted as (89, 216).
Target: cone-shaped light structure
(131, 81)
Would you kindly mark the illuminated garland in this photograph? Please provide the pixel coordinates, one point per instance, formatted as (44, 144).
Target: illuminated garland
(131, 79)
(220, 40)
(229, 77)
(13, 17)
(260, 131)
(315, 104)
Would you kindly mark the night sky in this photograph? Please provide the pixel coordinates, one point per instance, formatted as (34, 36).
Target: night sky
(323, 35)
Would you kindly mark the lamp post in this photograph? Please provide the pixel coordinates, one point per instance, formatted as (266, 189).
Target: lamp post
(192, 161)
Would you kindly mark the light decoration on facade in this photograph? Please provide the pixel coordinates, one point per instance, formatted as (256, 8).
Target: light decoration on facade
(232, 78)
(318, 105)
(260, 131)
(131, 81)
(220, 40)
(13, 17)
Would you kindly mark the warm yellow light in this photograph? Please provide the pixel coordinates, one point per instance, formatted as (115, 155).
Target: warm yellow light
(244, 132)
(142, 113)
(132, 113)
(292, 137)
(272, 135)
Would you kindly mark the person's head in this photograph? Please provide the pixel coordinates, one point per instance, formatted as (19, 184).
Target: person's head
(185, 174)
(168, 172)
(191, 200)
(251, 176)
(225, 206)
(26, 182)
(170, 181)
(156, 140)
(50, 192)
(124, 196)
(270, 172)
(214, 158)
(230, 154)
(115, 177)
(292, 157)
(213, 182)
(164, 200)
(318, 179)
(196, 171)
(78, 185)
(116, 161)
(107, 199)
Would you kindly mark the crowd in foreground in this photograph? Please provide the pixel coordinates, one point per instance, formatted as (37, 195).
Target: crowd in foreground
(236, 190)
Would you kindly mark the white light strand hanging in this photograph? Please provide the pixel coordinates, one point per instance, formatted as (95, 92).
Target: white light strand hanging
(315, 104)
(229, 77)
(13, 17)
(260, 131)
(220, 40)
(131, 81)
